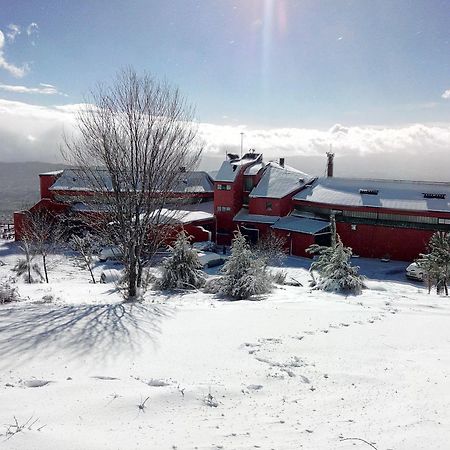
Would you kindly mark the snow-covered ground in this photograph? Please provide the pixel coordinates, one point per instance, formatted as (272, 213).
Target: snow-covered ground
(298, 369)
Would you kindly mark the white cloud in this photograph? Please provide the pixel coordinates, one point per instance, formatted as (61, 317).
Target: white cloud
(14, 70)
(417, 151)
(13, 31)
(446, 94)
(45, 89)
(33, 28)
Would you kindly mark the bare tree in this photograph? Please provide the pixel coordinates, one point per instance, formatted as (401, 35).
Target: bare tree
(41, 234)
(271, 247)
(136, 139)
(84, 246)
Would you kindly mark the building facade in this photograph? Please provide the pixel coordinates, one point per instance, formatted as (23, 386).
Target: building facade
(376, 218)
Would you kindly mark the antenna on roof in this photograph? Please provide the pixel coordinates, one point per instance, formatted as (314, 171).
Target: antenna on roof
(242, 142)
(330, 157)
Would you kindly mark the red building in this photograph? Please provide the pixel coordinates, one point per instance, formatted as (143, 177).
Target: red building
(66, 193)
(376, 218)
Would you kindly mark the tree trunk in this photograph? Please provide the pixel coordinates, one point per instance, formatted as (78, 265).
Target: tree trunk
(92, 275)
(45, 268)
(132, 274)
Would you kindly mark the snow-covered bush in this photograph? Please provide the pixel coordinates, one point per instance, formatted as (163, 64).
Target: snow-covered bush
(30, 271)
(279, 276)
(8, 292)
(182, 270)
(436, 263)
(243, 275)
(336, 273)
(271, 247)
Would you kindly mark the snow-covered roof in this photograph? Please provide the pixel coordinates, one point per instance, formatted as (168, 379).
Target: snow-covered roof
(254, 169)
(392, 194)
(190, 213)
(301, 224)
(244, 216)
(279, 181)
(52, 172)
(199, 182)
(76, 180)
(230, 168)
(227, 172)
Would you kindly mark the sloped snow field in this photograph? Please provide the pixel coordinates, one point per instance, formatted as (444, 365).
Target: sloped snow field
(297, 369)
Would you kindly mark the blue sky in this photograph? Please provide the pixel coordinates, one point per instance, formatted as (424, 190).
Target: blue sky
(365, 76)
(260, 62)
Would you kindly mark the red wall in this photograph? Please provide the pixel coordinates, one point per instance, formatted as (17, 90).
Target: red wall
(45, 182)
(280, 206)
(371, 241)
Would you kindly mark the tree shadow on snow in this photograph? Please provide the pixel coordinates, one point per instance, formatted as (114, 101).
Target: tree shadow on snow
(100, 330)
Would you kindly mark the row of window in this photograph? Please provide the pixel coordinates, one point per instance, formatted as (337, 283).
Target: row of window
(374, 216)
(223, 209)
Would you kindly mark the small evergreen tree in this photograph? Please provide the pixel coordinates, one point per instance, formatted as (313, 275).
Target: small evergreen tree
(333, 265)
(436, 262)
(244, 273)
(182, 270)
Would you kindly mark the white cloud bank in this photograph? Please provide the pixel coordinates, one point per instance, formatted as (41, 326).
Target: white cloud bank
(418, 151)
(446, 94)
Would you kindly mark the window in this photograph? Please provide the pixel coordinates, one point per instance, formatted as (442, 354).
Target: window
(445, 221)
(369, 191)
(224, 187)
(269, 206)
(434, 195)
(223, 209)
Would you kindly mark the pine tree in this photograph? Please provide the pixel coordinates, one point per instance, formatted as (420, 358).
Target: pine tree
(436, 263)
(182, 270)
(336, 272)
(244, 273)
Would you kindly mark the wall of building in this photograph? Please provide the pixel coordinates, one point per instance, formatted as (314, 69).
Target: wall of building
(371, 241)
(45, 182)
(280, 206)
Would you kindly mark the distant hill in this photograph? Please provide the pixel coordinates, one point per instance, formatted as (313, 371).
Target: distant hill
(19, 185)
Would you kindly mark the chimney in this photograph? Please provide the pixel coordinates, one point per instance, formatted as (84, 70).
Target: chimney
(282, 162)
(330, 157)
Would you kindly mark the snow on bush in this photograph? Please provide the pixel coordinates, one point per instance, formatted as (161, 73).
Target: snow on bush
(182, 270)
(8, 292)
(243, 275)
(30, 271)
(336, 273)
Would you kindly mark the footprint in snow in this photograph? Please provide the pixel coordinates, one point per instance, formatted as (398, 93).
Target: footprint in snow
(102, 377)
(342, 324)
(255, 387)
(35, 383)
(157, 383)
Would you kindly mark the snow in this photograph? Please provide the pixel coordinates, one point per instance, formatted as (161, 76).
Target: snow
(393, 194)
(244, 216)
(297, 369)
(227, 172)
(75, 180)
(301, 224)
(278, 181)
